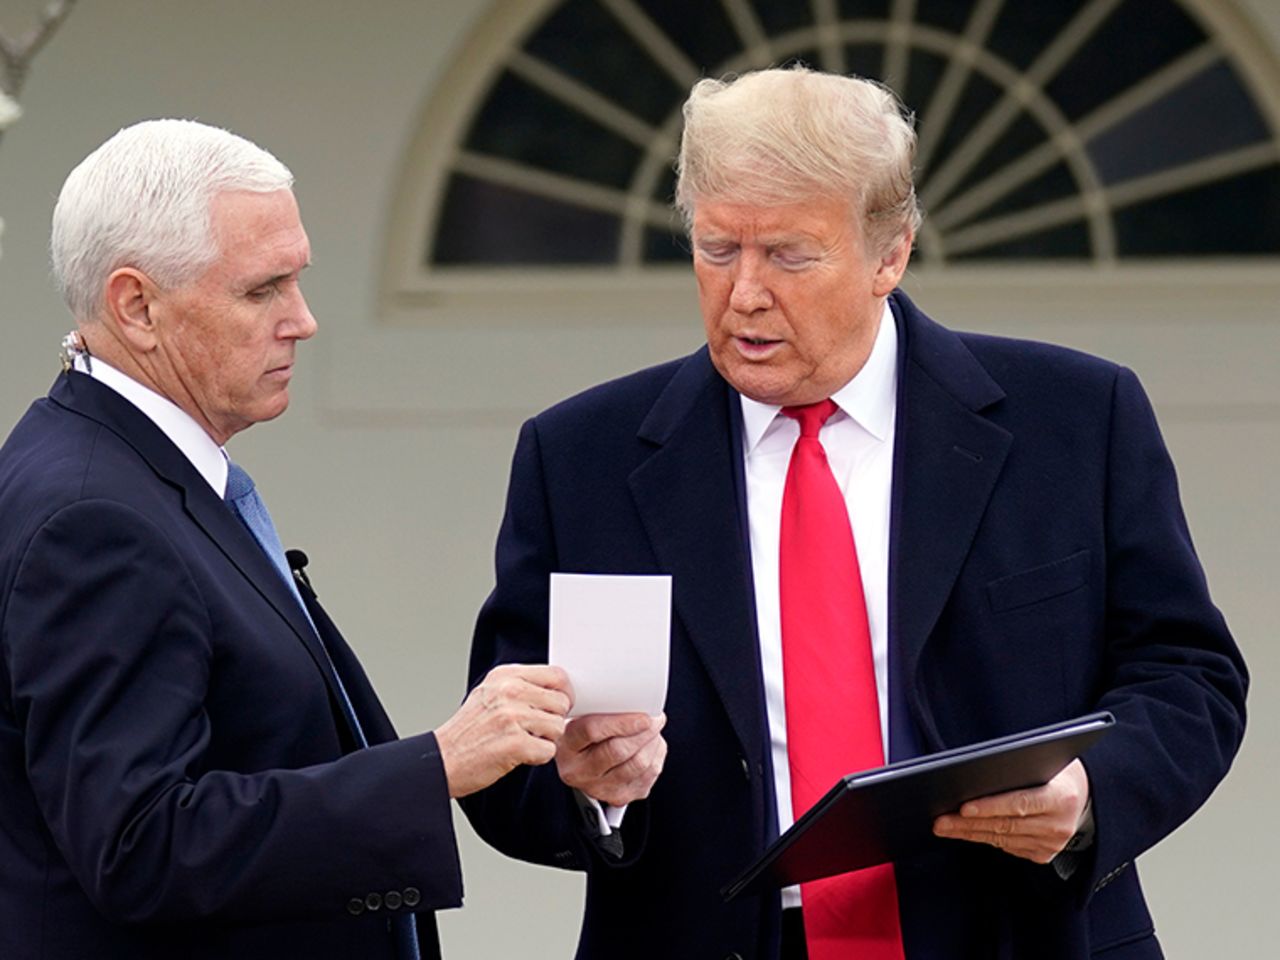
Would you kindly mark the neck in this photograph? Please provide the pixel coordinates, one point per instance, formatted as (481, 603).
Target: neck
(102, 341)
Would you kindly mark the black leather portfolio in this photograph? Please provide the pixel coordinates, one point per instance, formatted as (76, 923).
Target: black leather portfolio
(887, 813)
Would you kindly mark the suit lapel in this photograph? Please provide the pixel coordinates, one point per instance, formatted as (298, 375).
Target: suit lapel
(947, 459)
(85, 396)
(685, 493)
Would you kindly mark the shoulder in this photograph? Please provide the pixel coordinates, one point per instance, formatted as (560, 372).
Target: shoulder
(1014, 353)
(624, 402)
(1011, 369)
(56, 462)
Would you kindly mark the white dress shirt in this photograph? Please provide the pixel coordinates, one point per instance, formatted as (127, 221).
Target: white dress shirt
(174, 422)
(858, 439)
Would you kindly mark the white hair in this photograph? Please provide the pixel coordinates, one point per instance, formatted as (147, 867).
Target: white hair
(143, 200)
(783, 136)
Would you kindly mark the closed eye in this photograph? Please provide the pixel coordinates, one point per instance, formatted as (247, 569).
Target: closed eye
(718, 254)
(792, 259)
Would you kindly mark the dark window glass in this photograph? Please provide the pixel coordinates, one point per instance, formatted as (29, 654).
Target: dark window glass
(864, 59)
(699, 27)
(1240, 215)
(1209, 114)
(1054, 184)
(1025, 28)
(1021, 136)
(1139, 37)
(979, 96)
(1069, 241)
(582, 40)
(665, 192)
(864, 9)
(661, 246)
(924, 70)
(521, 123)
(781, 16)
(486, 224)
(950, 15)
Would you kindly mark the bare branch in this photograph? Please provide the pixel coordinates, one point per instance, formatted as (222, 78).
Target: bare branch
(17, 54)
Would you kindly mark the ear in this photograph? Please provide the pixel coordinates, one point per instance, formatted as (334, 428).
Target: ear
(893, 265)
(131, 297)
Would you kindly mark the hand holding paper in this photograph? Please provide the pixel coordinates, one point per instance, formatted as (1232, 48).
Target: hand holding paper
(612, 757)
(612, 636)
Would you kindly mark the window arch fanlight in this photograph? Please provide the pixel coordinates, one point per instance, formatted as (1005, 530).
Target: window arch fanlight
(1095, 131)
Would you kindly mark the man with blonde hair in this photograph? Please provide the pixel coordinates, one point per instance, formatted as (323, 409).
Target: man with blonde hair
(886, 539)
(194, 762)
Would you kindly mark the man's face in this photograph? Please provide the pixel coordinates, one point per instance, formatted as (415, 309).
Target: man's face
(226, 340)
(791, 300)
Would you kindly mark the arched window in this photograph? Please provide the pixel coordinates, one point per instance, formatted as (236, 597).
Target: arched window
(1096, 131)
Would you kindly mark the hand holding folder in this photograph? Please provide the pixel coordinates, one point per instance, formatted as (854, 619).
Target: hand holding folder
(887, 813)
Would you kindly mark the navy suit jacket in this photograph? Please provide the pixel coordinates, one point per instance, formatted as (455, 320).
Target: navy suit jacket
(176, 776)
(1040, 568)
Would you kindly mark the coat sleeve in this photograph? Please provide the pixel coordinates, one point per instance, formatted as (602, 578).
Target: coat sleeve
(110, 651)
(530, 814)
(1172, 675)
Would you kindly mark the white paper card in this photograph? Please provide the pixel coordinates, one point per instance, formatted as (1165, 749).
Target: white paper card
(612, 635)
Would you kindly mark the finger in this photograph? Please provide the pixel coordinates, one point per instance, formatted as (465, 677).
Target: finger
(545, 675)
(538, 674)
(583, 732)
(634, 779)
(619, 751)
(509, 690)
(1034, 838)
(544, 726)
(1016, 803)
(536, 751)
(546, 699)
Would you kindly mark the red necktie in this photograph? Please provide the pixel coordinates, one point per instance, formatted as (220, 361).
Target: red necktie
(833, 718)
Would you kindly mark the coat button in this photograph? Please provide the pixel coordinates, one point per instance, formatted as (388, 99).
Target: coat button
(392, 900)
(355, 906)
(373, 902)
(412, 897)
(733, 956)
(746, 768)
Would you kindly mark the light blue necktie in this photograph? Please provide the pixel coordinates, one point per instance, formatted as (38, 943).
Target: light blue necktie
(243, 499)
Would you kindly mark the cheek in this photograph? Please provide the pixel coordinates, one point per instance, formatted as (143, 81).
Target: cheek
(713, 298)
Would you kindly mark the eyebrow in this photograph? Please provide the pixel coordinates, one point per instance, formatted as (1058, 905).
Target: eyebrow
(276, 278)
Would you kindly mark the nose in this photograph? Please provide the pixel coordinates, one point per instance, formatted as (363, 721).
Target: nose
(300, 323)
(750, 288)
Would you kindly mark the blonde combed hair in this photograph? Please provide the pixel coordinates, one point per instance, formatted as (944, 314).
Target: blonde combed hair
(782, 136)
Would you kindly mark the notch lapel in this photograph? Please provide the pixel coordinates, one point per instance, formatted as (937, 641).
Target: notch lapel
(946, 464)
(86, 397)
(686, 493)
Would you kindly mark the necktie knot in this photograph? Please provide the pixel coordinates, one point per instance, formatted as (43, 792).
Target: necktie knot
(811, 416)
(239, 483)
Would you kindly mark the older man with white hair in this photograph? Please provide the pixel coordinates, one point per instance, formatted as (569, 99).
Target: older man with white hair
(194, 763)
(886, 539)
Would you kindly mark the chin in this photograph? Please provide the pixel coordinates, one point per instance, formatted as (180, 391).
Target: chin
(273, 409)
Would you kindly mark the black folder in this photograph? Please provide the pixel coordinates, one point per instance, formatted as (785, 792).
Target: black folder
(887, 813)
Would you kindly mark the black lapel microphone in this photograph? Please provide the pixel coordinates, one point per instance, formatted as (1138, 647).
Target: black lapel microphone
(297, 560)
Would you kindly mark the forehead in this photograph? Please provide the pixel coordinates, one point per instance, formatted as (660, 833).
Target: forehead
(259, 230)
(822, 218)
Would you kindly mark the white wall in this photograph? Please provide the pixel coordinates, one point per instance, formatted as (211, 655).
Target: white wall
(335, 88)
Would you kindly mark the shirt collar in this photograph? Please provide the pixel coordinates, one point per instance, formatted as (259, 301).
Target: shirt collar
(209, 459)
(869, 399)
